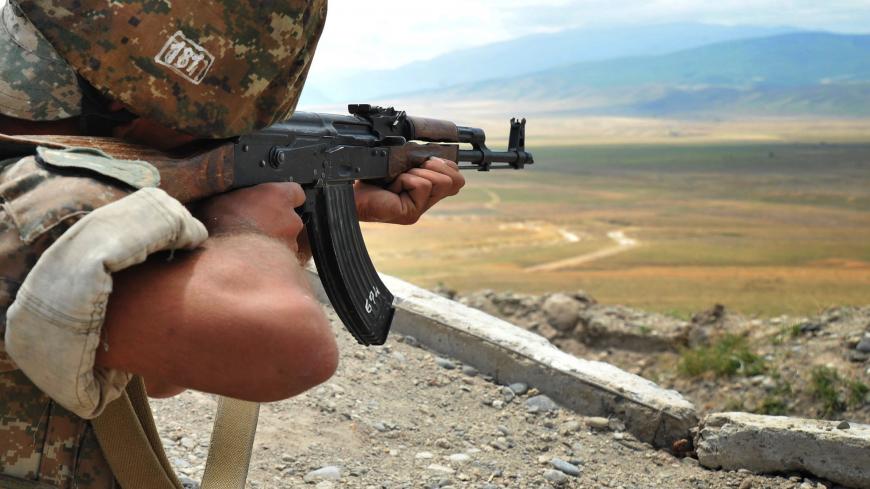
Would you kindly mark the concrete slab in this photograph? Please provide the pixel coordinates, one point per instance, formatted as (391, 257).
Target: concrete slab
(511, 354)
(772, 444)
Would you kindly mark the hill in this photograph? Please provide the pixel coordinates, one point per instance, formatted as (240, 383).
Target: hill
(789, 74)
(524, 56)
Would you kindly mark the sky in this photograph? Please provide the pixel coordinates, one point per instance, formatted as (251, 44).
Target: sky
(389, 33)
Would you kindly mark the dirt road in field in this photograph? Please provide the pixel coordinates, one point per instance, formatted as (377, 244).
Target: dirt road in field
(623, 244)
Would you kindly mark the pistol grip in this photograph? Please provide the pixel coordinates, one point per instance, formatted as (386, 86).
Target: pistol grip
(355, 290)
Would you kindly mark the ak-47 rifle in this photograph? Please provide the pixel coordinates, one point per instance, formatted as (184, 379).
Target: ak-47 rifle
(325, 154)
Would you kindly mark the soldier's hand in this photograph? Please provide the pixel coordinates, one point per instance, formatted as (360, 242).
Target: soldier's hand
(265, 209)
(410, 195)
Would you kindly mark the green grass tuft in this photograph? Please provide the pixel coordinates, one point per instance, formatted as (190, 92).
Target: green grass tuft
(825, 384)
(858, 393)
(728, 356)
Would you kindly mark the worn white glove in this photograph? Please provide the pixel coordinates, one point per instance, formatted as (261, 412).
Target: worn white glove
(53, 328)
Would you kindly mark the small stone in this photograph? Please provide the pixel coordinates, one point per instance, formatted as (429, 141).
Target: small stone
(844, 425)
(810, 327)
(459, 458)
(500, 444)
(328, 473)
(411, 341)
(504, 430)
(557, 478)
(570, 427)
(445, 363)
(380, 426)
(540, 404)
(864, 345)
(440, 468)
(746, 484)
(692, 462)
(325, 485)
(443, 443)
(508, 394)
(424, 455)
(519, 388)
(498, 404)
(597, 423)
(187, 443)
(565, 467)
(469, 371)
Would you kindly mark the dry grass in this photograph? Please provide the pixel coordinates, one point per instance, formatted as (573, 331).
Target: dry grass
(764, 229)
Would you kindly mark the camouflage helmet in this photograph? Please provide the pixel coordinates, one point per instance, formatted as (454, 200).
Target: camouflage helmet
(211, 68)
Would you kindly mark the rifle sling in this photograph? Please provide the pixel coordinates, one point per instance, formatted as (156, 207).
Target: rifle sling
(130, 442)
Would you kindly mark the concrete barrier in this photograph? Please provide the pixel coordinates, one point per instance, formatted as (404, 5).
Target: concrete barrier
(511, 354)
(839, 452)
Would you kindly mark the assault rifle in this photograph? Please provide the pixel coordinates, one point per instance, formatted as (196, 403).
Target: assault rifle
(325, 154)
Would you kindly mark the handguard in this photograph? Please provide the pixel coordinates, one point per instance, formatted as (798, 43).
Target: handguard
(355, 290)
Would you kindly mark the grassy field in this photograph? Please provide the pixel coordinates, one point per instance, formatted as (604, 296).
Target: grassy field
(764, 228)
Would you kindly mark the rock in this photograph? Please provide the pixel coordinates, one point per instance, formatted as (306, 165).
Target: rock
(570, 427)
(443, 443)
(519, 388)
(844, 425)
(445, 363)
(459, 458)
(469, 371)
(597, 423)
(424, 455)
(411, 341)
(764, 444)
(565, 467)
(562, 312)
(810, 327)
(441, 469)
(864, 345)
(508, 394)
(746, 484)
(705, 324)
(555, 477)
(540, 404)
(628, 329)
(328, 473)
(856, 356)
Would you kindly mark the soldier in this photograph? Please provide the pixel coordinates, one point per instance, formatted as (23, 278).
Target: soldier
(87, 296)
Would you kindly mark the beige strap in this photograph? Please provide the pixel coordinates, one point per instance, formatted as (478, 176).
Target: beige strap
(129, 439)
(232, 439)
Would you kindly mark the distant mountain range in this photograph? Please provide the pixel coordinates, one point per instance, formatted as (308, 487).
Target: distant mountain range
(523, 56)
(661, 71)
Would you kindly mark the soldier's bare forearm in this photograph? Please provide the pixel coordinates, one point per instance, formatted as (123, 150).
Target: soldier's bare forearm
(235, 318)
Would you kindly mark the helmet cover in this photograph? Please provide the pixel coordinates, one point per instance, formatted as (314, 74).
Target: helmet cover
(211, 68)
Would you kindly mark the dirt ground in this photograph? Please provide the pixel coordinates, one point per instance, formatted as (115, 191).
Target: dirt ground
(398, 416)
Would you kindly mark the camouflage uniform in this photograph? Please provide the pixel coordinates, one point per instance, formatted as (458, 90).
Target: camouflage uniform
(39, 439)
(211, 68)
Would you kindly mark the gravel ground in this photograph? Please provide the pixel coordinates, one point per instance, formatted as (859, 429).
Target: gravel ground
(398, 416)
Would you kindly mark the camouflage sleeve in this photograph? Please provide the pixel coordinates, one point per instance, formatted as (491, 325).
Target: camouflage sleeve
(53, 327)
